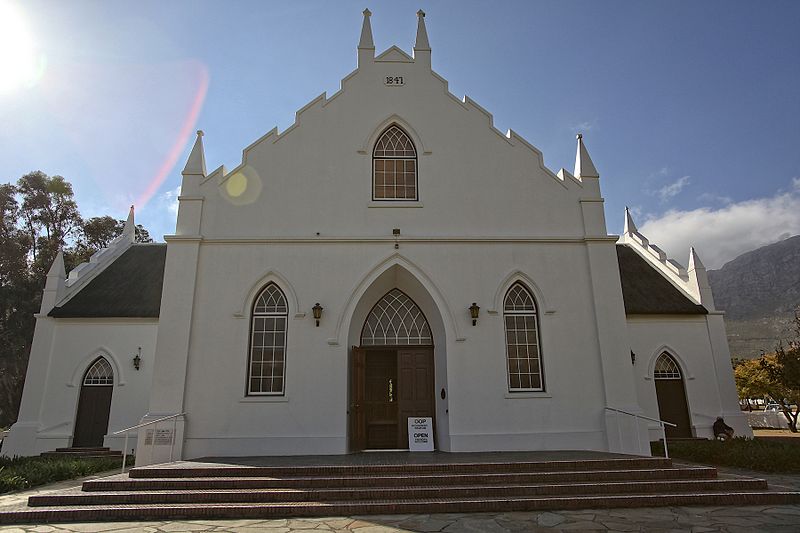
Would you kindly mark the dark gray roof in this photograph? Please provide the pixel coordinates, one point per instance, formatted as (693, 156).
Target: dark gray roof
(128, 287)
(647, 292)
(131, 287)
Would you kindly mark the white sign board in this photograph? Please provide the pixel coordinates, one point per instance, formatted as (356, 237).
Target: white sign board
(420, 434)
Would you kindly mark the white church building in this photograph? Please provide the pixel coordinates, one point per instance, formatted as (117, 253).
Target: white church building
(390, 255)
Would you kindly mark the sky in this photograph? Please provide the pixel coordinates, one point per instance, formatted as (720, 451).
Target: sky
(689, 109)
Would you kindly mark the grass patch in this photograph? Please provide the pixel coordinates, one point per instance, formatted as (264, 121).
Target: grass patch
(20, 473)
(754, 454)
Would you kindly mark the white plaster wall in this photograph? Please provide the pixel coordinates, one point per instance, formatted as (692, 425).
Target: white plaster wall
(76, 343)
(312, 416)
(687, 340)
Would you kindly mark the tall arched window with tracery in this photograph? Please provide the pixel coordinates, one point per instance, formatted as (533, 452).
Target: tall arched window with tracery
(394, 166)
(522, 340)
(267, 358)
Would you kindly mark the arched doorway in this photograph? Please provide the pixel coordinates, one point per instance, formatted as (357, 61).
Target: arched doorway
(671, 395)
(392, 374)
(94, 405)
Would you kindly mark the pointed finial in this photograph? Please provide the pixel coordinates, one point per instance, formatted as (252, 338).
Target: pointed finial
(366, 43)
(129, 230)
(57, 269)
(196, 164)
(584, 168)
(630, 226)
(694, 260)
(422, 33)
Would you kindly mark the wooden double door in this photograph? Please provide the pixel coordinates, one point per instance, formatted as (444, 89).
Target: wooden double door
(91, 422)
(672, 407)
(389, 385)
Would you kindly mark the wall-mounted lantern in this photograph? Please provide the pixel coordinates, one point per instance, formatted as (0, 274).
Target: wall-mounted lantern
(317, 310)
(474, 310)
(633, 358)
(137, 359)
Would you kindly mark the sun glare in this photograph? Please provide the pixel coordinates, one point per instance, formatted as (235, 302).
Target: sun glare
(20, 65)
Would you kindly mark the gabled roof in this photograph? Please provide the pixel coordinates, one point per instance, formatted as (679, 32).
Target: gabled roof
(129, 287)
(647, 292)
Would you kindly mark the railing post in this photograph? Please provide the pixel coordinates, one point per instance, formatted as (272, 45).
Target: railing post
(124, 452)
(619, 430)
(638, 436)
(664, 436)
(172, 444)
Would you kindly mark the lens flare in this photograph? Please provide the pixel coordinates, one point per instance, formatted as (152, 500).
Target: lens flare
(21, 66)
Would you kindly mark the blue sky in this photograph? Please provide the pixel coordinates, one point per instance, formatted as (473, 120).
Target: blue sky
(689, 109)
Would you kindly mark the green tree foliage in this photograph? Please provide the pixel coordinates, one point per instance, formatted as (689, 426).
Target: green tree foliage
(775, 375)
(38, 217)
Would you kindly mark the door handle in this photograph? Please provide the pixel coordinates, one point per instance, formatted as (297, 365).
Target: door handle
(355, 406)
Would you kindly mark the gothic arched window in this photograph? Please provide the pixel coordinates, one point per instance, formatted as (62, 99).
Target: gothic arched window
(100, 373)
(666, 367)
(394, 166)
(267, 360)
(522, 340)
(396, 320)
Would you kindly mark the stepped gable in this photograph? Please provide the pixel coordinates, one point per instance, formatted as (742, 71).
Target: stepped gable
(647, 292)
(128, 287)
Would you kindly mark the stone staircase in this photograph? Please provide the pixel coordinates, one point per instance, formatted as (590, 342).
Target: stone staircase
(189, 490)
(83, 453)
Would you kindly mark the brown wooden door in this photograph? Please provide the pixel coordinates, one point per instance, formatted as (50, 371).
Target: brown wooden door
(415, 387)
(380, 399)
(358, 428)
(672, 407)
(91, 423)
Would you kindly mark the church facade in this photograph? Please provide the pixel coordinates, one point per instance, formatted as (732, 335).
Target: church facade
(390, 255)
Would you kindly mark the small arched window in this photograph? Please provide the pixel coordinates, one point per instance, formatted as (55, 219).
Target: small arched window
(394, 166)
(100, 373)
(267, 358)
(522, 340)
(666, 367)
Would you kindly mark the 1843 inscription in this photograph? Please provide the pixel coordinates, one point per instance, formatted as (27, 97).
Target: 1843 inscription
(394, 81)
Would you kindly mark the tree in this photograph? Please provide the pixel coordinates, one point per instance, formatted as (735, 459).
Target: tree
(775, 375)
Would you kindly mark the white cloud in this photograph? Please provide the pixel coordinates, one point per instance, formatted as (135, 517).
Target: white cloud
(673, 189)
(169, 200)
(582, 126)
(722, 234)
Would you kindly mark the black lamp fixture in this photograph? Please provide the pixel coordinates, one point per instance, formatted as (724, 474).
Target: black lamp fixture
(317, 310)
(474, 310)
(633, 358)
(137, 359)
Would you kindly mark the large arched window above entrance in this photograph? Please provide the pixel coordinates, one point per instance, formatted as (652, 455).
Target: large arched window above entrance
(396, 321)
(100, 373)
(522, 340)
(267, 358)
(394, 166)
(666, 367)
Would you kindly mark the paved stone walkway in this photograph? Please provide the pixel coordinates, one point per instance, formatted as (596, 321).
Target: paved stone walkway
(752, 519)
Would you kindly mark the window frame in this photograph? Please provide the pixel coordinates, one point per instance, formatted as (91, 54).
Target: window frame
(539, 359)
(267, 314)
(109, 378)
(667, 375)
(376, 158)
(416, 306)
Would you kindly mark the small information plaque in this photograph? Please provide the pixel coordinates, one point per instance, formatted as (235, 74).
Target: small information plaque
(420, 434)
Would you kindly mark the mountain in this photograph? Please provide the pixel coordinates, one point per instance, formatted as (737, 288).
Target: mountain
(759, 291)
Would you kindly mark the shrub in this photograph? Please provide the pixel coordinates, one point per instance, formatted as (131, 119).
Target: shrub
(20, 473)
(755, 454)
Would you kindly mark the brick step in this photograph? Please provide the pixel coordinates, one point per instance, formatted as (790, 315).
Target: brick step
(373, 469)
(420, 506)
(87, 448)
(209, 483)
(394, 493)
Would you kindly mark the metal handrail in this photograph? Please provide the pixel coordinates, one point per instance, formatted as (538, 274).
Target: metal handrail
(662, 423)
(128, 430)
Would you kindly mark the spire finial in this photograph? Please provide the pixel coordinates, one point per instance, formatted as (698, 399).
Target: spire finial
(129, 230)
(630, 226)
(57, 269)
(365, 42)
(196, 164)
(422, 33)
(694, 260)
(584, 168)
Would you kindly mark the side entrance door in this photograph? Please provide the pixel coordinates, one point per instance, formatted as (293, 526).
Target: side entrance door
(94, 405)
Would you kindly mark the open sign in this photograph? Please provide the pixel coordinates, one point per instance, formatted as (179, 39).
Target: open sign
(420, 434)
